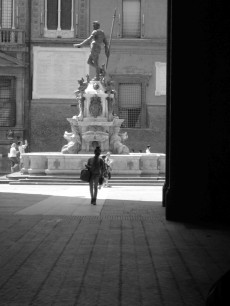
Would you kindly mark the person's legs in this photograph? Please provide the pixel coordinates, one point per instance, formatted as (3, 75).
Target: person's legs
(13, 161)
(109, 177)
(106, 182)
(11, 164)
(93, 185)
(91, 189)
(96, 180)
(21, 166)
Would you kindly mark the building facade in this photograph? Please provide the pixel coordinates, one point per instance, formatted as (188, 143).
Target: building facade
(40, 69)
(14, 75)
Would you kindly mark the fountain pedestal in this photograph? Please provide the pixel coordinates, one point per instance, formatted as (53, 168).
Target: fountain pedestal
(95, 125)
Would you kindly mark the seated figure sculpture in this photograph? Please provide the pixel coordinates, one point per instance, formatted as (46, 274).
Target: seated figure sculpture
(74, 143)
(116, 145)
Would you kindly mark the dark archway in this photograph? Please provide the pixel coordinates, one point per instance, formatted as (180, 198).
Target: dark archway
(198, 113)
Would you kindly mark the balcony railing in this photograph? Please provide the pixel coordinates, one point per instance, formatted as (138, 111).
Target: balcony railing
(12, 36)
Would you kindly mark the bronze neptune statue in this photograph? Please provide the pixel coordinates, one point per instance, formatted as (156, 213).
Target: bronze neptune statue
(96, 39)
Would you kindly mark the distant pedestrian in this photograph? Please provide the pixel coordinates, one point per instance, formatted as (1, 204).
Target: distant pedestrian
(104, 176)
(108, 162)
(96, 166)
(22, 149)
(13, 157)
(148, 149)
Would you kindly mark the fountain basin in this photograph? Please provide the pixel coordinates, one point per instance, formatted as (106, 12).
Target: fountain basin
(59, 163)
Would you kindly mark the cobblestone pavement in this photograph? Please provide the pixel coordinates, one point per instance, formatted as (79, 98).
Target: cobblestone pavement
(57, 249)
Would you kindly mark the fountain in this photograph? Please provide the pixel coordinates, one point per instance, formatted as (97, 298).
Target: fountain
(96, 124)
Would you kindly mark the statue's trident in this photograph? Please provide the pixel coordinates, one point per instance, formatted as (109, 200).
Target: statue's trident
(110, 39)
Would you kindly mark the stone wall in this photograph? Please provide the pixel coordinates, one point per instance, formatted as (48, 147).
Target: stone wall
(48, 124)
(138, 139)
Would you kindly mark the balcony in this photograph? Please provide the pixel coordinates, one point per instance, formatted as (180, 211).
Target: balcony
(12, 36)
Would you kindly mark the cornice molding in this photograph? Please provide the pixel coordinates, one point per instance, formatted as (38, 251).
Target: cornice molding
(14, 48)
(140, 42)
(143, 78)
(48, 101)
(118, 46)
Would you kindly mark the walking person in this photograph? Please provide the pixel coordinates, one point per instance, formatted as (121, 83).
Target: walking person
(104, 182)
(13, 157)
(21, 148)
(108, 162)
(96, 166)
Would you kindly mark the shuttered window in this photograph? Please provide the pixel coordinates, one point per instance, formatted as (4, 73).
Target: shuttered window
(131, 19)
(130, 104)
(7, 101)
(52, 14)
(6, 14)
(59, 13)
(66, 7)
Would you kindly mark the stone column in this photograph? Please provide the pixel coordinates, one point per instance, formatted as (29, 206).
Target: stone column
(187, 194)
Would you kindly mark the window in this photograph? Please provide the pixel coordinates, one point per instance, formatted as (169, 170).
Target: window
(7, 101)
(6, 14)
(52, 14)
(131, 99)
(131, 19)
(59, 18)
(130, 104)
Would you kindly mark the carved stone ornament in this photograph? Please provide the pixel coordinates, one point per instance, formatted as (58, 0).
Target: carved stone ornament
(96, 86)
(95, 128)
(95, 107)
(95, 136)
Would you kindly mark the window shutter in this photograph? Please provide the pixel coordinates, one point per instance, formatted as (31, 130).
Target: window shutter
(131, 18)
(7, 102)
(6, 14)
(66, 6)
(130, 105)
(52, 14)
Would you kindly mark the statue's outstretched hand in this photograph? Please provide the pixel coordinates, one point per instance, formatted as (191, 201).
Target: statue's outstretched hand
(77, 46)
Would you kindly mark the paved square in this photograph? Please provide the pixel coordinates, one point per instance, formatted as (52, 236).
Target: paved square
(58, 249)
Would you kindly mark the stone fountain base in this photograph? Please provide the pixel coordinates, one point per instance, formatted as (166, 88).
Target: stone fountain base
(48, 163)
